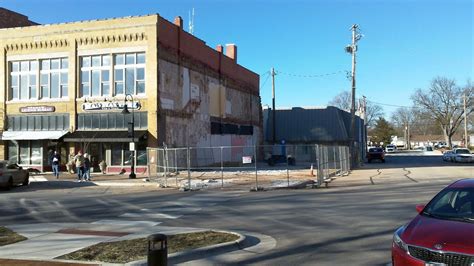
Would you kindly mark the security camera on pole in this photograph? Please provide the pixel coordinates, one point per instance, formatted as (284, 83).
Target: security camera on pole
(352, 49)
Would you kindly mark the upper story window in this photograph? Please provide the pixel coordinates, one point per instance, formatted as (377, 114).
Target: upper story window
(95, 75)
(50, 75)
(128, 71)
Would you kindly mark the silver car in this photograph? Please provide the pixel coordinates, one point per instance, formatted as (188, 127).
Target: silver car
(11, 175)
(462, 155)
(448, 156)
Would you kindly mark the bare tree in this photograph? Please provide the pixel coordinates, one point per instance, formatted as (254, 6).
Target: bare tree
(374, 111)
(343, 102)
(444, 101)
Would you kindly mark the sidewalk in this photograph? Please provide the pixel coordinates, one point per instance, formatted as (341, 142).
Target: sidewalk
(98, 179)
(47, 241)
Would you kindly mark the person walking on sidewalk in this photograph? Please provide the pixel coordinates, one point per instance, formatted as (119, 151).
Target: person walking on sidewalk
(79, 161)
(87, 168)
(55, 160)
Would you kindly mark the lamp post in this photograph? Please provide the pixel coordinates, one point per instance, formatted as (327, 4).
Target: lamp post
(132, 129)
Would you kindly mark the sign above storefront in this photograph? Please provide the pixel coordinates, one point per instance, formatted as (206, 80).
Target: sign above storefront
(37, 109)
(99, 106)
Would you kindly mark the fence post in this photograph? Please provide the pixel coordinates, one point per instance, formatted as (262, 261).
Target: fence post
(189, 167)
(222, 169)
(256, 172)
(318, 163)
(176, 161)
(287, 171)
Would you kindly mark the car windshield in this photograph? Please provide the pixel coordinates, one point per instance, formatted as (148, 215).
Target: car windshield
(463, 151)
(452, 204)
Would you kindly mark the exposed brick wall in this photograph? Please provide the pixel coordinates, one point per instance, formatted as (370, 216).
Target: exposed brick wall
(170, 36)
(10, 19)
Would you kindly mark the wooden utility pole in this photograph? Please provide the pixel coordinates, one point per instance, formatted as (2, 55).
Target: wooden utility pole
(273, 106)
(466, 138)
(353, 50)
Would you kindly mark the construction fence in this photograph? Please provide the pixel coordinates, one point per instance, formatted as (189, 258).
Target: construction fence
(255, 167)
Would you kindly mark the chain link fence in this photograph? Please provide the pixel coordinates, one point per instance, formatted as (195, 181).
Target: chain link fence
(254, 167)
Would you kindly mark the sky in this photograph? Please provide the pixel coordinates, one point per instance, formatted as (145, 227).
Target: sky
(405, 44)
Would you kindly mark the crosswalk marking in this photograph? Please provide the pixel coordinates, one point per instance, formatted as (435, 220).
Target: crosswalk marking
(127, 222)
(38, 179)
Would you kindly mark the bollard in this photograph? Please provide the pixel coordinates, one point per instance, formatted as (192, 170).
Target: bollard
(157, 250)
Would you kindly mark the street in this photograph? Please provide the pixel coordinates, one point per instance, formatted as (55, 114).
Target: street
(351, 222)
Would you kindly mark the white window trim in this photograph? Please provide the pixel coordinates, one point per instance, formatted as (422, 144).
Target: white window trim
(91, 68)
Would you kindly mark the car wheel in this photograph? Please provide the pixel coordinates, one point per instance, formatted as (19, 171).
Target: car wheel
(27, 180)
(10, 184)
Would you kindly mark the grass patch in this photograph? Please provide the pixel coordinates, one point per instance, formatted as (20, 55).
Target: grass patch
(136, 249)
(8, 237)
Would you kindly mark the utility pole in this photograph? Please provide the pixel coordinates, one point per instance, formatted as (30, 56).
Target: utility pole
(273, 106)
(353, 50)
(466, 138)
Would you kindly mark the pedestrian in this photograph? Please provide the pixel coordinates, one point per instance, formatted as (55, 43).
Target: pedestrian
(55, 161)
(87, 168)
(79, 162)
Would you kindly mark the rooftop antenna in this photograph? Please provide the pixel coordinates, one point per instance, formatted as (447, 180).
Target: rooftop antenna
(191, 22)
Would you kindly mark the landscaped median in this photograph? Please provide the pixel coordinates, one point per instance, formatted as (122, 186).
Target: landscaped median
(8, 237)
(137, 249)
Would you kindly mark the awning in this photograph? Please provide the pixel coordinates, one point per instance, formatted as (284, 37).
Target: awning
(32, 135)
(104, 136)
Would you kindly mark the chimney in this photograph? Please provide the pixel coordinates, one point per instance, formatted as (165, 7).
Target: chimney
(178, 21)
(231, 51)
(220, 48)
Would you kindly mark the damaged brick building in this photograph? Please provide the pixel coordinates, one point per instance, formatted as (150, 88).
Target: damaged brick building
(63, 87)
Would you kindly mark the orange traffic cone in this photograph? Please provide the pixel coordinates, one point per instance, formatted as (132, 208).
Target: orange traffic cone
(312, 171)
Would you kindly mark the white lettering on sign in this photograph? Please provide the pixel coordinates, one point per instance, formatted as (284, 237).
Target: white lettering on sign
(98, 106)
(37, 109)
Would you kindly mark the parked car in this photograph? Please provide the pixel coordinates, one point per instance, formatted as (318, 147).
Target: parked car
(440, 145)
(448, 156)
(376, 154)
(390, 148)
(443, 231)
(462, 155)
(11, 175)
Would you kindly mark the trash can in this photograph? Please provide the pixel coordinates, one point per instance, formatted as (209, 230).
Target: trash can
(157, 250)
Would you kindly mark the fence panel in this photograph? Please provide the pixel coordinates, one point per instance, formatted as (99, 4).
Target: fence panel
(266, 166)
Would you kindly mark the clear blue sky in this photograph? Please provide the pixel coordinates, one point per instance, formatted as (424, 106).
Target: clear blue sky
(405, 44)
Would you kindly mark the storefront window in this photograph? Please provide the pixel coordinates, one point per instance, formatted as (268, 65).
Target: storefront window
(141, 154)
(36, 152)
(116, 154)
(13, 152)
(24, 153)
(127, 156)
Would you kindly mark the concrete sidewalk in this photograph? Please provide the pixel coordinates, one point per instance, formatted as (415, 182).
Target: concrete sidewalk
(47, 241)
(98, 179)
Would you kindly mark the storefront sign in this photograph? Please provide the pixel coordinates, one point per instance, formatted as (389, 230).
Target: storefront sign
(98, 106)
(37, 109)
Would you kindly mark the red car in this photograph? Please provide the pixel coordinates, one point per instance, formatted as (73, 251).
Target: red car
(443, 231)
(376, 153)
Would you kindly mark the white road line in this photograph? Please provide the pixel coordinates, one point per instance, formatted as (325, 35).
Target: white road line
(150, 215)
(126, 222)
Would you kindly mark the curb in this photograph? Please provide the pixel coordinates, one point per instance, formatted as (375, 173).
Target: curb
(184, 256)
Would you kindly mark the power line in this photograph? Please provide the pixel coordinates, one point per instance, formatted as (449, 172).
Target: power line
(311, 75)
(266, 73)
(408, 107)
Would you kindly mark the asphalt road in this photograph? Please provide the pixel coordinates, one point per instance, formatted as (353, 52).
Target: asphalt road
(349, 223)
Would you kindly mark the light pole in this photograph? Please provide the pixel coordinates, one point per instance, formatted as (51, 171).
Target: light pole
(132, 130)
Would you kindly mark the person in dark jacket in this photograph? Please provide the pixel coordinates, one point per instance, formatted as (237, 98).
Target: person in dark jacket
(55, 161)
(87, 168)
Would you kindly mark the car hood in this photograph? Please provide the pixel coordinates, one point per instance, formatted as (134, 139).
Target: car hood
(427, 232)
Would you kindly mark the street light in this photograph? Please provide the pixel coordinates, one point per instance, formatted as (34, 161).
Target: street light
(132, 124)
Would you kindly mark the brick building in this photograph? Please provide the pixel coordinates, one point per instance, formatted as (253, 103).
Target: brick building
(10, 19)
(63, 87)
